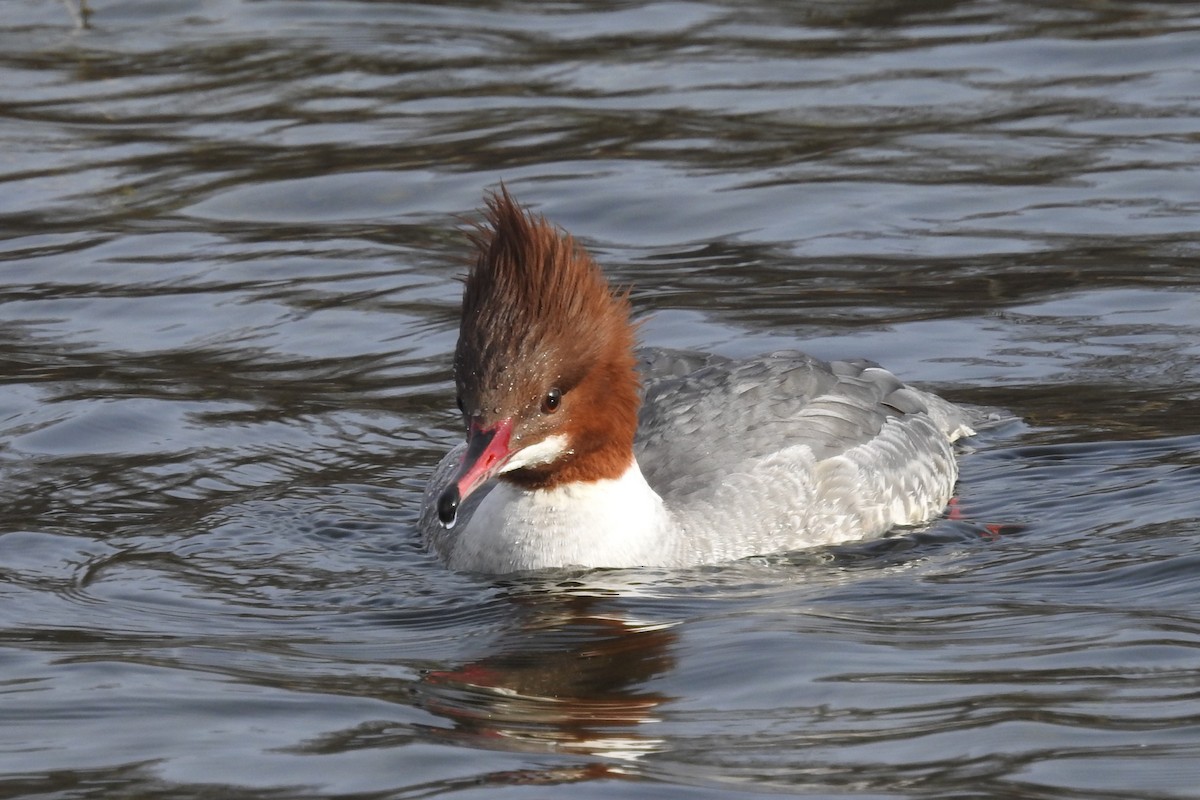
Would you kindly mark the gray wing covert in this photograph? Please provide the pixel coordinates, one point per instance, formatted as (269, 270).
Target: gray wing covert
(698, 426)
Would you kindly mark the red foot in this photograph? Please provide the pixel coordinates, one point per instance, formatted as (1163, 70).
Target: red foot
(954, 511)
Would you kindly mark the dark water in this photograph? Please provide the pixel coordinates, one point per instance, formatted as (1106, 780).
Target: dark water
(230, 238)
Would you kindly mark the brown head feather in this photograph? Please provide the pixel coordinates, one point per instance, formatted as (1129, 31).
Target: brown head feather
(538, 315)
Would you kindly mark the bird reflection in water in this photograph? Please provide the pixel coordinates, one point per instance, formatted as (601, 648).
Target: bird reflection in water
(573, 681)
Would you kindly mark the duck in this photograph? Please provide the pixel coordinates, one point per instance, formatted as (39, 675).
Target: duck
(584, 451)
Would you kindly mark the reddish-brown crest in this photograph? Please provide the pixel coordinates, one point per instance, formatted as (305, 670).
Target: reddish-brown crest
(538, 315)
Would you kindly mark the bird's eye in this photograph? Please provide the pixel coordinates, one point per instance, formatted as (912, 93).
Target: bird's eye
(551, 401)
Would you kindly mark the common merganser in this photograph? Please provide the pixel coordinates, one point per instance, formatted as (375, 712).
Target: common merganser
(726, 458)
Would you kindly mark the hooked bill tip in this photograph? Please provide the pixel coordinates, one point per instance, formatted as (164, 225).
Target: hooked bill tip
(447, 507)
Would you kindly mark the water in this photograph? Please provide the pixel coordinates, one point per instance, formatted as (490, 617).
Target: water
(231, 233)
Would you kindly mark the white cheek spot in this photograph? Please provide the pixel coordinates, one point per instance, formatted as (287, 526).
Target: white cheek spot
(543, 452)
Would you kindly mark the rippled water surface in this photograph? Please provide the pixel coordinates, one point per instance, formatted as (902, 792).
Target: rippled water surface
(231, 233)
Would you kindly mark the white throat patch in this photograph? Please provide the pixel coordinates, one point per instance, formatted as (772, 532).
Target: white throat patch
(538, 453)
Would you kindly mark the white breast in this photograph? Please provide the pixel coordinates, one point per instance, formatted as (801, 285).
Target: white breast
(606, 523)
